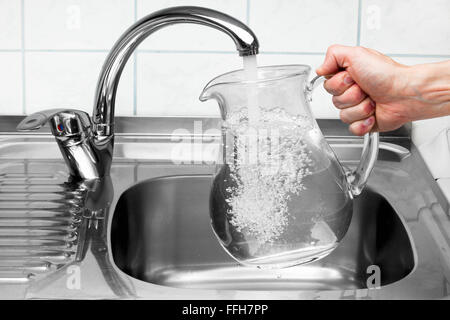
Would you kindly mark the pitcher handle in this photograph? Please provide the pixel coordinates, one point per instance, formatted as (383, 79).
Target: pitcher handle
(357, 179)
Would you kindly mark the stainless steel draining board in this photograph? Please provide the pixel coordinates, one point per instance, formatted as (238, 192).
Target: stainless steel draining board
(39, 215)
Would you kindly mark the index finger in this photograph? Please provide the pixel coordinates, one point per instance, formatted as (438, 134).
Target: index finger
(337, 58)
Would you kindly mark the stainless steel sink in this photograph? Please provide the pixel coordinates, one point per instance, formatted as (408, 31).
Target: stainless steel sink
(152, 239)
(161, 234)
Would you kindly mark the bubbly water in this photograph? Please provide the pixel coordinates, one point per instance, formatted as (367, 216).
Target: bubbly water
(273, 202)
(273, 206)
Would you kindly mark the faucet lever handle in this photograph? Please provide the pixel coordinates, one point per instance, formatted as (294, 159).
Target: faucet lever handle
(73, 134)
(64, 122)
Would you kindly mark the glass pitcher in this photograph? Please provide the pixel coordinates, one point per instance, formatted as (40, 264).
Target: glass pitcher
(279, 197)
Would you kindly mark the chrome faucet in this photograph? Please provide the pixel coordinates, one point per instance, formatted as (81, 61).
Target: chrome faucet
(87, 144)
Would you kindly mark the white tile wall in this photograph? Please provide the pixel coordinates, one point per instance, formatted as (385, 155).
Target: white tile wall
(426, 130)
(406, 26)
(436, 154)
(63, 44)
(75, 24)
(304, 25)
(10, 24)
(159, 94)
(10, 82)
(68, 79)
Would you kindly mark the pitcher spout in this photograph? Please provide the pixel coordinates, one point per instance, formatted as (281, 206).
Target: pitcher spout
(214, 91)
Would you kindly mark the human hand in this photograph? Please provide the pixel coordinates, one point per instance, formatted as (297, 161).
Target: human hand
(375, 93)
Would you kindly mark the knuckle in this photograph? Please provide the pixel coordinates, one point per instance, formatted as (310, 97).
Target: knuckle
(343, 75)
(344, 117)
(336, 101)
(360, 50)
(352, 129)
(361, 94)
(327, 86)
(342, 85)
(352, 98)
(357, 129)
(357, 94)
(332, 48)
(367, 108)
(335, 85)
(331, 89)
(360, 131)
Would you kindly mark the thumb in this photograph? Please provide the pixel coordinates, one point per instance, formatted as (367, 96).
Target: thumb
(337, 58)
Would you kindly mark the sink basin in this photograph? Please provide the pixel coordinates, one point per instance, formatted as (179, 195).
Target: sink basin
(161, 234)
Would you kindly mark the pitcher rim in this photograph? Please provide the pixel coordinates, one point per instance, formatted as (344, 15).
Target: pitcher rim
(297, 69)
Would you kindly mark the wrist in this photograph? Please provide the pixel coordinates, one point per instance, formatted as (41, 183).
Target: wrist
(428, 85)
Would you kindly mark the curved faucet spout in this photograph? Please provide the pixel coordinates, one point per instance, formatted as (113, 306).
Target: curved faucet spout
(103, 116)
(88, 147)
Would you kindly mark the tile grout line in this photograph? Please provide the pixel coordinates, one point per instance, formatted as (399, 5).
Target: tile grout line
(187, 51)
(22, 41)
(135, 68)
(303, 53)
(67, 50)
(135, 83)
(358, 31)
(411, 55)
(247, 13)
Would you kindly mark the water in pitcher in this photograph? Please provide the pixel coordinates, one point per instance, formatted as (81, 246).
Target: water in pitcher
(279, 196)
(272, 203)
